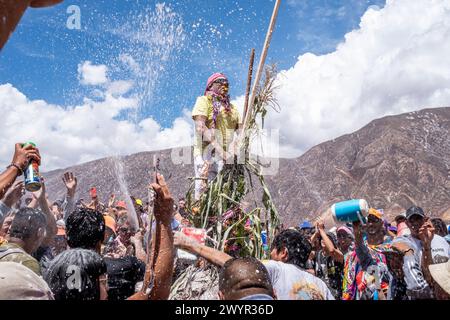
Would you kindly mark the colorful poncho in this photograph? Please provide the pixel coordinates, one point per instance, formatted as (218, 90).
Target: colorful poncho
(359, 284)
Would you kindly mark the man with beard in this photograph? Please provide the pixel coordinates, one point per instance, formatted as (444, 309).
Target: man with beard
(216, 120)
(422, 248)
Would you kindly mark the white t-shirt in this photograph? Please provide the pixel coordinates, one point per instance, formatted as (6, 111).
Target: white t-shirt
(440, 249)
(416, 284)
(292, 283)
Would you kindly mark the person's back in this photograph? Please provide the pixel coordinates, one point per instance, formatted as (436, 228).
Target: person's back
(290, 252)
(290, 282)
(77, 274)
(123, 274)
(18, 282)
(10, 252)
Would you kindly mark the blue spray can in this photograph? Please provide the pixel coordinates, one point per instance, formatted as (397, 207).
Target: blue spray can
(264, 240)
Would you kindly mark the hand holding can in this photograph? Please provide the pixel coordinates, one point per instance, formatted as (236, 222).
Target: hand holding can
(31, 172)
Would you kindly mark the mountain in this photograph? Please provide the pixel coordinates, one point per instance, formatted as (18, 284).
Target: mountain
(393, 163)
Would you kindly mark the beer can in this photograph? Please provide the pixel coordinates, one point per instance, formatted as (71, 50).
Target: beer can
(31, 174)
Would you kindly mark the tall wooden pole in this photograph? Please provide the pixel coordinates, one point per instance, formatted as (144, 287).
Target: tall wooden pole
(249, 82)
(262, 61)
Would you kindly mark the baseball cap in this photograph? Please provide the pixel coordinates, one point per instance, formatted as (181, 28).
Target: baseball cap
(414, 211)
(306, 225)
(121, 204)
(110, 222)
(375, 213)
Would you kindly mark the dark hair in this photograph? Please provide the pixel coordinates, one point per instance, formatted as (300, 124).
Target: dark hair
(74, 275)
(241, 277)
(26, 223)
(57, 203)
(85, 228)
(440, 226)
(297, 245)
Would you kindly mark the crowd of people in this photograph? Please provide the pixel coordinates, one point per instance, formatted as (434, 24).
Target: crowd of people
(71, 250)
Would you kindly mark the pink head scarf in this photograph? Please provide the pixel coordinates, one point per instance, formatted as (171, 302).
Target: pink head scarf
(213, 78)
(217, 99)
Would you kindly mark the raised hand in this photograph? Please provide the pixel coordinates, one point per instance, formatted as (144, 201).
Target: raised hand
(164, 202)
(320, 224)
(14, 194)
(71, 182)
(426, 233)
(180, 240)
(112, 199)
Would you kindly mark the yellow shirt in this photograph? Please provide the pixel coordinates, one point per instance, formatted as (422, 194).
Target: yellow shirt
(226, 123)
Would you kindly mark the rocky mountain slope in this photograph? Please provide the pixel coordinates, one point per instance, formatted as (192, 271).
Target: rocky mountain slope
(393, 162)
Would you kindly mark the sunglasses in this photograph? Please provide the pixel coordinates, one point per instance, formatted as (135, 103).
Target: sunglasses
(221, 81)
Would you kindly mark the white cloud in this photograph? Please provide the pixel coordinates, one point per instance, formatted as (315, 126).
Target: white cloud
(90, 74)
(119, 87)
(72, 135)
(397, 61)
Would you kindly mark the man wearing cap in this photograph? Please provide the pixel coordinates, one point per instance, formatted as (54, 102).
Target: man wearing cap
(216, 120)
(422, 248)
(366, 274)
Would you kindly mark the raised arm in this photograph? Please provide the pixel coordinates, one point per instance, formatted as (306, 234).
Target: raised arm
(12, 12)
(330, 249)
(71, 182)
(212, 255)
(11, 198)
(51, 228)
(362, 252)
(426, 234)
(163, 241)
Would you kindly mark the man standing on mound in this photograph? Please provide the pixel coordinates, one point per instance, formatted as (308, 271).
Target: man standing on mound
(216, 121)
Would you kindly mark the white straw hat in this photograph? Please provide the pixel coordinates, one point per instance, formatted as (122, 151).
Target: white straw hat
(441, 274)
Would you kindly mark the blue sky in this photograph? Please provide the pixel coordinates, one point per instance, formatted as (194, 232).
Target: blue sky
(42, 56)
(126, 81)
